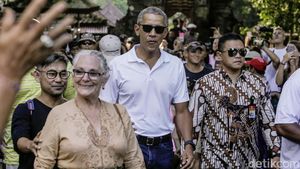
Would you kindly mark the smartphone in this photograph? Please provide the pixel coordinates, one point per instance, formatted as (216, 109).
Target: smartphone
(290, 48)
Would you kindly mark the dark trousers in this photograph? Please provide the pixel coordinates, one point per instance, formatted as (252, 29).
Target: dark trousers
(158, 156)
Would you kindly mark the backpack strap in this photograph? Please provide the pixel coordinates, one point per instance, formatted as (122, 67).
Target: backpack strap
(30, 106)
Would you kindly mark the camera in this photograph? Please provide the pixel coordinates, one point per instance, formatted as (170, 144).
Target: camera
(259, 42)
(265, 29)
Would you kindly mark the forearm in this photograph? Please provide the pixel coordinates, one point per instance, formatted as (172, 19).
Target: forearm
(184, 124)
(274, 58)
(289, 131)
(23, 144)
(8, 91)
(280, 75)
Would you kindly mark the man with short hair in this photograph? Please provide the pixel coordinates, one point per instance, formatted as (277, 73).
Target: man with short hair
(233, 108)
(87, 41)
(30, 117)
(147, 81)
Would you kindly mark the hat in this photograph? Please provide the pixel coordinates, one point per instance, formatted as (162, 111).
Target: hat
(195, 45)
(191, 26)
(87, 37)
(110, 46)
(252, 54)
(258, 63)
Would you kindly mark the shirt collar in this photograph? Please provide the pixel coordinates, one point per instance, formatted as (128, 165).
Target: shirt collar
(133, 57)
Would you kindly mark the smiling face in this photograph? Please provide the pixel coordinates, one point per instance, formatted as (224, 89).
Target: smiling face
(196, 56)
(150, 41)
(88, 84)
(51, 84)
(235, 63)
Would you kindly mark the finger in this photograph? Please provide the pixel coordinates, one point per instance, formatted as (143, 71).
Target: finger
(34, 152)
(47, 18)
(30, 12)
(61, 27)
(8, 20)
(62, 40)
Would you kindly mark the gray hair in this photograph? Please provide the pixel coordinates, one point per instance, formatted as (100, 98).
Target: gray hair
(95, 53)
(152, 10)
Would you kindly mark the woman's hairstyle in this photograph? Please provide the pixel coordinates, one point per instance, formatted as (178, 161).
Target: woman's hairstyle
(228, 37)
(54, 57)
(152, 10)
(95, 53)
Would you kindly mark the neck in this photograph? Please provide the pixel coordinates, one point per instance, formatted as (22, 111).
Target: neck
(279, 46)
(195, 68)
(86, 102)
(233, 74)
(147, 55)
(51, 101)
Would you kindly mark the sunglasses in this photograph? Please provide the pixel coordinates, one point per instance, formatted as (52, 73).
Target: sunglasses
(149, 28)
(232, 52)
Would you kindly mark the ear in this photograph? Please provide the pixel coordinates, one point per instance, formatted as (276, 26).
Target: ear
(165, 33)
(137, 29)
(36, 75)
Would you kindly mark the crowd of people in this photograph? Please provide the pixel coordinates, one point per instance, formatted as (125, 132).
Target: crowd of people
(120, 102)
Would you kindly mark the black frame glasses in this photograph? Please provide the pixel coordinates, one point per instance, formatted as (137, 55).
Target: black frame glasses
(92, 75)
(52, 74)
(148, 28)
(232, 52)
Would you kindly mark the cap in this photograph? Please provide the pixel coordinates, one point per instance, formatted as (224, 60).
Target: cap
(110, 46)
(191, 26)
(87, 37)
(195, 45)
(252, 54)
(258, 63)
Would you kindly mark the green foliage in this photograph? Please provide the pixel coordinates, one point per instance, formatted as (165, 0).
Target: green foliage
(284, 13)
(121, 4)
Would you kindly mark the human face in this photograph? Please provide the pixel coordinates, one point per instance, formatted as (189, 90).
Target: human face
(232, 63)
(88, 45)
(53, 86)
(88, 85)
(196, 56)
(278, 36)
(150, 41)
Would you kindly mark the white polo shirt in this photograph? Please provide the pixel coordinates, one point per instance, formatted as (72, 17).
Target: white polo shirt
(288, 111)
(147, 94)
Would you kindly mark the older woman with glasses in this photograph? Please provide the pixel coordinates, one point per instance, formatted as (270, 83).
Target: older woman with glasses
(87, 132)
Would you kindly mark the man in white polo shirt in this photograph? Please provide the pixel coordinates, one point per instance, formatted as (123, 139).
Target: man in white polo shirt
(147, 81)
(288, 122)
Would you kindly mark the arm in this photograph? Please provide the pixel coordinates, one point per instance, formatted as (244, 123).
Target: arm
(274, 58)
(289, 131)
(15, 63)
(134, 158)
(281, 69)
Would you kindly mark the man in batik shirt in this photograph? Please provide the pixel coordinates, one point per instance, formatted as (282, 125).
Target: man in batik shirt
(234, 112)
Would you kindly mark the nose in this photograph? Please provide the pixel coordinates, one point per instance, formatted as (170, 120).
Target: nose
(85, 77)
(58, 78)
(152, 32)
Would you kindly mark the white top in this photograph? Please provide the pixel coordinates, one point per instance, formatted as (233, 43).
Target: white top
(270, 70)
(288, 111)
(147, 94)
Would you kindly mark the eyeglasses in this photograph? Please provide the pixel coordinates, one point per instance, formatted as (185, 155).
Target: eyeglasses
(232, 52)
(92, 75)
(52, 74)
(148, 28)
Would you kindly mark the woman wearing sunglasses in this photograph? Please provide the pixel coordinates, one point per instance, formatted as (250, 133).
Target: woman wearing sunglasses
(231, 103)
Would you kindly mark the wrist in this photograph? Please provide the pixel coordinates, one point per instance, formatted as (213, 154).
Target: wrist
(283, 63)
(190, 143)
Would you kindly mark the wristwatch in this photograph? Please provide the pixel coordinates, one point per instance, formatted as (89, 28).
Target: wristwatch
(190, 142)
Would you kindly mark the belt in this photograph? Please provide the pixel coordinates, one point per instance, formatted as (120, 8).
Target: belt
(153, 141)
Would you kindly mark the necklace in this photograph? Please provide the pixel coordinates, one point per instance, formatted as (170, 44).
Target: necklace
(98, 139)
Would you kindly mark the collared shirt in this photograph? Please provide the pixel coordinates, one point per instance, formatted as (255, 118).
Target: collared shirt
(229, 133)
(288, 112)
(147, 93)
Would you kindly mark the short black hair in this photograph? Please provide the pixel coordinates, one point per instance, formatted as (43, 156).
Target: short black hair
(57, 56)
(227, 37)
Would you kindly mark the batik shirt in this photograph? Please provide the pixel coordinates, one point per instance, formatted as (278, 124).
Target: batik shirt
(229, 133)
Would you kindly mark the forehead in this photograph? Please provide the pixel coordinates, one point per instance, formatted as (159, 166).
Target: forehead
(233, 44)
(153, 19)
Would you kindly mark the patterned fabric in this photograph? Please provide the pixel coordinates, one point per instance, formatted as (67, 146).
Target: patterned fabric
(228, 132)
(71, 139)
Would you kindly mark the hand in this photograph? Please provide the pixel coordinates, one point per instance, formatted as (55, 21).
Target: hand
(20, 43)
(275, 161)
(187, 158)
